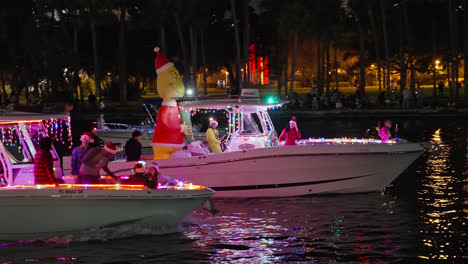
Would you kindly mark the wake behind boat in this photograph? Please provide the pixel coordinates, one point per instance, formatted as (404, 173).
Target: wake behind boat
(253, 164)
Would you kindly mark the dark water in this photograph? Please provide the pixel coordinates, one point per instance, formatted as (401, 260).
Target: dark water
(420, 218)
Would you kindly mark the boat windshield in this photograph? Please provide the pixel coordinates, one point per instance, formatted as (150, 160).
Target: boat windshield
(250, 124)
(15, 146)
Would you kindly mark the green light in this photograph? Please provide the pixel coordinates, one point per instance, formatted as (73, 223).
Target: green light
(270, 100)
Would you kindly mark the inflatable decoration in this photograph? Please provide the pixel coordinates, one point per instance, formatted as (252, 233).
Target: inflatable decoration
(168, 136)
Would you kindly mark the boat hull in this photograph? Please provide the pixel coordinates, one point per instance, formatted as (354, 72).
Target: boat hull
(42, 213)
(121, 136)
(293, 171)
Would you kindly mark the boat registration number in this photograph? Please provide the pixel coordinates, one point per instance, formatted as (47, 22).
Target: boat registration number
(70, 191)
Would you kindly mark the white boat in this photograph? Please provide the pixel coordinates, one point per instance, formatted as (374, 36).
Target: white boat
(252, 165)
(37, 211)
(119, 133)
(43, 211)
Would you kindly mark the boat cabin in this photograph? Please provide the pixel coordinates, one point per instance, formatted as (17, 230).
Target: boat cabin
(20, 134)
(244, 122)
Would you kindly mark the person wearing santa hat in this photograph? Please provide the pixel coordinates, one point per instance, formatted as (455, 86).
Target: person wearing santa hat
(79, 152)
(168, 136)
(139, 177)
(291, 133)
(212, 136)
(95, 160)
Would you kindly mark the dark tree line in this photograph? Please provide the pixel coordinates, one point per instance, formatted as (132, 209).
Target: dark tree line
(48, 45)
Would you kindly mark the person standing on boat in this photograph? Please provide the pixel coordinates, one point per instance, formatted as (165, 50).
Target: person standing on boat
(212, 136)
(44, 163)
(95, 160)
(291, 133)
(133, 147)
(79, 152)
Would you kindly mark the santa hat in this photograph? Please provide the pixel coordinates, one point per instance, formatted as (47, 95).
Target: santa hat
(87, 136)
(110, 147)
(213, 121)
(139, 168)
(293, 120)
(161, 63)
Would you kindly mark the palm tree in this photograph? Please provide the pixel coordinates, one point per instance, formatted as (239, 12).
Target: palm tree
(465, 46)
(122, 62)
(238, 52)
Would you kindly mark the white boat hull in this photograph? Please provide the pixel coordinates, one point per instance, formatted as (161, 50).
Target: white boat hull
(293, 170)
(120, 136)
(39, 213)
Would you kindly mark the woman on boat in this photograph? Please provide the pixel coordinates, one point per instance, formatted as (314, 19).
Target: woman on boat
(385, 130)
(154, 175)
(291, 133)
(214, 143)
(44, 163)
(139, 177)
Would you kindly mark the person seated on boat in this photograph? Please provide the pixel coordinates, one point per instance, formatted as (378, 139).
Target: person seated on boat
(212, 136)
(139, 177)
(44, 163)
(95, 160)
(197, 148)
(291, 133)
(79, 152)
(385, 131)
(154, 175)
(133, 146)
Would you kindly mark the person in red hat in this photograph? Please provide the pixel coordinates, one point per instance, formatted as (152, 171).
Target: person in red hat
(291, 133)
(212, 136)
(168, 136)
(95, 160)
(79, 152)
(140, 178)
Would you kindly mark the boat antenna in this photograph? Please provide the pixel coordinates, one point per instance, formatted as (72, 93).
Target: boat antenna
(149, 113)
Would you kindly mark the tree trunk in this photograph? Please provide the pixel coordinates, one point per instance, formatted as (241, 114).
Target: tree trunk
(122, 62)
(328, 66)
(162, 38)
(376, 39)
(97, 73)
(402, 55)
(453, 46)
(319, 66)
(294, 58)
(385, 39)
(203, 57)
(186, 73)
(193, 43)
(410, 47)
(465, 47)
(238, 51)
(245, 11)
(362, 54)
(336, 67)
(286, 66)
(434, 55)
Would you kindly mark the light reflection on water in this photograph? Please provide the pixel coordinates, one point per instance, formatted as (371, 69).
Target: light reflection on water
(439, 203)
(420, 218)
